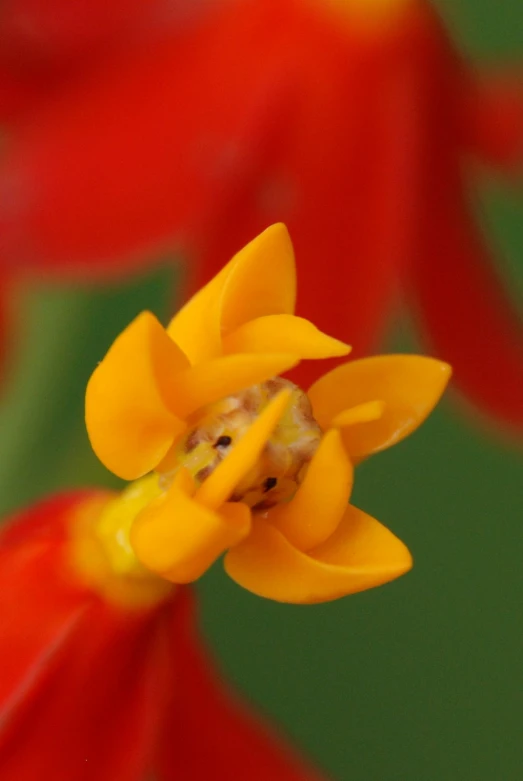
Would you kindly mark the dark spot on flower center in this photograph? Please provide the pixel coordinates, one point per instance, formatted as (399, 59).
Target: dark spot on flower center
(269, 483)
(223, 441)
(204, 473)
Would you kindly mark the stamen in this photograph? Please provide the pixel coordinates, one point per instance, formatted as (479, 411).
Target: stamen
(223, 441)
(269, 483)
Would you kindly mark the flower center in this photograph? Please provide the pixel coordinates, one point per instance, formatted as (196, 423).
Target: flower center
(368, 13)
(102, 550)
(286, 455)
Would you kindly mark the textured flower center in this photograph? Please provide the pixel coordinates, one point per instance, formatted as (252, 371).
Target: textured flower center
(284, 460)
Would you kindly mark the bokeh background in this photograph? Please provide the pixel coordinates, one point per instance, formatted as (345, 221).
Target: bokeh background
(417, 681)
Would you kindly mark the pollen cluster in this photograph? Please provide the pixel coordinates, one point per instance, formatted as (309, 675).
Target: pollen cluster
(284, 460)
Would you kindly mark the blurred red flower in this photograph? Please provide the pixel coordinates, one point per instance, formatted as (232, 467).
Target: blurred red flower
(51, 36)
(90, 690)
(354, 128)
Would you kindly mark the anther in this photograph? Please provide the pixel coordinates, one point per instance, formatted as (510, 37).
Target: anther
(223, 441)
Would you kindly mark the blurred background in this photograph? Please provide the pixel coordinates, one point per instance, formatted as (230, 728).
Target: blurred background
(416, 681)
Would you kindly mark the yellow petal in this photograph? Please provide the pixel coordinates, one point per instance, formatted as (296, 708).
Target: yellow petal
(362, 413)
(178, 538)
(218, 487)
(196, 327)
(409, 385)
(360, 555)
(321, 500)
(259, 280)
(287, 333)
(214, 380)
(262, 279)
(129, 417)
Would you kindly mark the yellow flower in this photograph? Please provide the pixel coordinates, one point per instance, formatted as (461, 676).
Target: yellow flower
(237, 331)
(246, 463)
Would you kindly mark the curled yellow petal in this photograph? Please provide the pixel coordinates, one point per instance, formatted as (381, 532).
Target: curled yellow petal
(361, 554)
(196, 327)
(287, 333)
(128, 411)
(178, 538)
(409, 385)
(214, 380)
(321, 500)
(262, 279)
(259, 280)
(218, 487)
(362, 413)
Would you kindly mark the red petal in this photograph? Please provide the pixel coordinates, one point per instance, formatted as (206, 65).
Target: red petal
(343, 176)
(81, 684)
(16, 93)
(493, 119)
(134, 158)
(50, 33)
(210, 734)
(467, 316)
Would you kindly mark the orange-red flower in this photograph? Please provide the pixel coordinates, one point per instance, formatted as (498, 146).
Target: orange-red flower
(103, 688)
(351, 121)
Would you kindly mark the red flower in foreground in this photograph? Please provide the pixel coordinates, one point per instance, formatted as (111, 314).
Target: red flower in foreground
(351, 122)
(92, 688)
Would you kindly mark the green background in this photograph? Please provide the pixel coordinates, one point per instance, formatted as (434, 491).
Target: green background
(417, 681)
